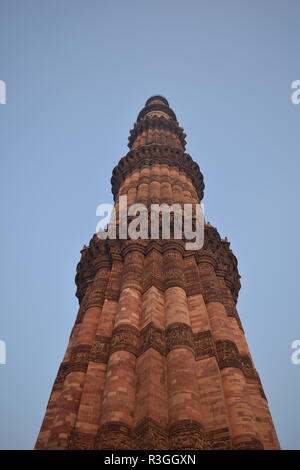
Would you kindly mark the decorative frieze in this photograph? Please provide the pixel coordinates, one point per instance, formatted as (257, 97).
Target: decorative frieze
(125, 338)
(164, 128)
(228, 354)
(187, 435)
(132, 275)
(97, 291)
(219, 439)
(114, 282)
(247, 366)
(157, 154)
(178, 335)
(149, 435)
(173, 267)
(100, 349)
(114, 436)
(191, 276)
(152, 107)
(152, 337)
(79, 358)
(153, 274)
(203, 345)
(252, 444)
(61, 375)
(81, 441)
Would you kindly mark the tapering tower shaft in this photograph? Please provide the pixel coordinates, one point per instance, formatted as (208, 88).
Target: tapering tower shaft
(157, 358)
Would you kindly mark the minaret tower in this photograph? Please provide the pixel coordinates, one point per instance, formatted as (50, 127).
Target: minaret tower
(157, 358)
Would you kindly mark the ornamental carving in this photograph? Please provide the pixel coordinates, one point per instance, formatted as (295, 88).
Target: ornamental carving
(211, 292)
(253, 444)
(81, 441)
(125, 338)
(247, 366)
(152, 275)
(188, 435)
(158, 123)
(114, 283)
(61, 375)
(221, 444)
(159, 154)
(96, 297)
(100, 349)
(149, 435)
(228, 354)
(174, 278)
(79, 358)
(152, 337)
(203, 344)
(114, 436)
(178, 335)
(220, 439)
(164, 108)
(191, 276)
(85, 272)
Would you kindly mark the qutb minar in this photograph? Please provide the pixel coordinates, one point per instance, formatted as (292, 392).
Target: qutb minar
(157, 358)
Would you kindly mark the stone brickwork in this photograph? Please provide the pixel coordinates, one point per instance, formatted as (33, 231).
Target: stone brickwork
(157, 358)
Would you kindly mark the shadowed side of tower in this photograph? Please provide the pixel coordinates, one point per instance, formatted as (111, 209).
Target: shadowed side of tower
(157, 358)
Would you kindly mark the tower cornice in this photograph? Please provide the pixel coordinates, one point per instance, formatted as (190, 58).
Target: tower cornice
(157, 105)
(161, 124)
(157, 154)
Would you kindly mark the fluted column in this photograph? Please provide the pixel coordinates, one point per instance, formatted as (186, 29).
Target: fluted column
(185, 427)
(241, 417)
(254, 388)
(57, 388)
(119, 395)
(151, 411)
(88, 416)
(69, 399)
(214, 415)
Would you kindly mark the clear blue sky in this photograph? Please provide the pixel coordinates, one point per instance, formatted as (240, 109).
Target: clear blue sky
(77, 74)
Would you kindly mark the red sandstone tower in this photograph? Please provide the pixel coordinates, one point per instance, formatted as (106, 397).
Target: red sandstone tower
(157, 358)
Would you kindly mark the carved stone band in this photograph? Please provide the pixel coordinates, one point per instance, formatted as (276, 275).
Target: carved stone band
(125, 338)
(152, 337)
(81, 441)
(80, 358)
(253, 444)
(177, 335)
(114, 436)
(228, 354)
(203, 344)
(187, 435)
(100, 349)
(150, 435)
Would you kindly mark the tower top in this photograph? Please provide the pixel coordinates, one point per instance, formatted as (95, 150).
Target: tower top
(157, 106)
(157, 99)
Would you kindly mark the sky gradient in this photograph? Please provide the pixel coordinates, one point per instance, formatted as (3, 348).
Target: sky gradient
(77, 74)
